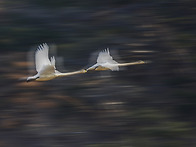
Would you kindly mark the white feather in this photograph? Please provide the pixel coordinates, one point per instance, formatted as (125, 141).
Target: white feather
(41, 57)
(45, 67)
(52, 59)
(104, 59)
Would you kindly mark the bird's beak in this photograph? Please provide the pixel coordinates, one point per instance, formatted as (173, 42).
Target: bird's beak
(84, 70)
(142, 62)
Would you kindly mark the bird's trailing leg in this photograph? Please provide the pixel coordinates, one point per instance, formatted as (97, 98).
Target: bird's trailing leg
(30, 79)
(101, 68)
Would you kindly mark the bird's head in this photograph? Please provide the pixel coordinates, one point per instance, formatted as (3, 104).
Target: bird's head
(83, 71)
(141, 62)
(145, 62)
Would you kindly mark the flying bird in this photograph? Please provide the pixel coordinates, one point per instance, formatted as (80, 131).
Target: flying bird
(106, 62)
(45, 68)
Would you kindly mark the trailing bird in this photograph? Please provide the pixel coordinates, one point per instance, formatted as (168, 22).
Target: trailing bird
(106, 62)
(45, 68)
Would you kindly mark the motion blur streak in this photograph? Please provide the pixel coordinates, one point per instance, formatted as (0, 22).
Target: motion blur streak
(143, 105)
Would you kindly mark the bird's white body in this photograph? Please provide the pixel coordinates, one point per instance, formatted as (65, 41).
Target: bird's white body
(45, 68)
(106, 62)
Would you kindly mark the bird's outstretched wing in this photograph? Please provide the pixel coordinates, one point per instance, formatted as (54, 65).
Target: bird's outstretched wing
(104, 56)
(52, 59)
(41, 57)
(105, 59)
(47, 69)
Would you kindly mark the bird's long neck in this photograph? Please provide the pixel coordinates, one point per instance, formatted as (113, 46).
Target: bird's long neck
(69, 73)
(131, 63)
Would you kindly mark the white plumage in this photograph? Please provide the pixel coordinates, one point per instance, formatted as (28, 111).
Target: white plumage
(106, 62)
(45, 68)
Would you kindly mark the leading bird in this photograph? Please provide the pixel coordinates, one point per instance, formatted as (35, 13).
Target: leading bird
(106, 62)
(45, 68)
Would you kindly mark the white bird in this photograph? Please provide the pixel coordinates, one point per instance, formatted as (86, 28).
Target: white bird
(106, 62)
(45, 68)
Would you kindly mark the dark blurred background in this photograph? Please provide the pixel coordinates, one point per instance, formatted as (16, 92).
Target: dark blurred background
(149, 105)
